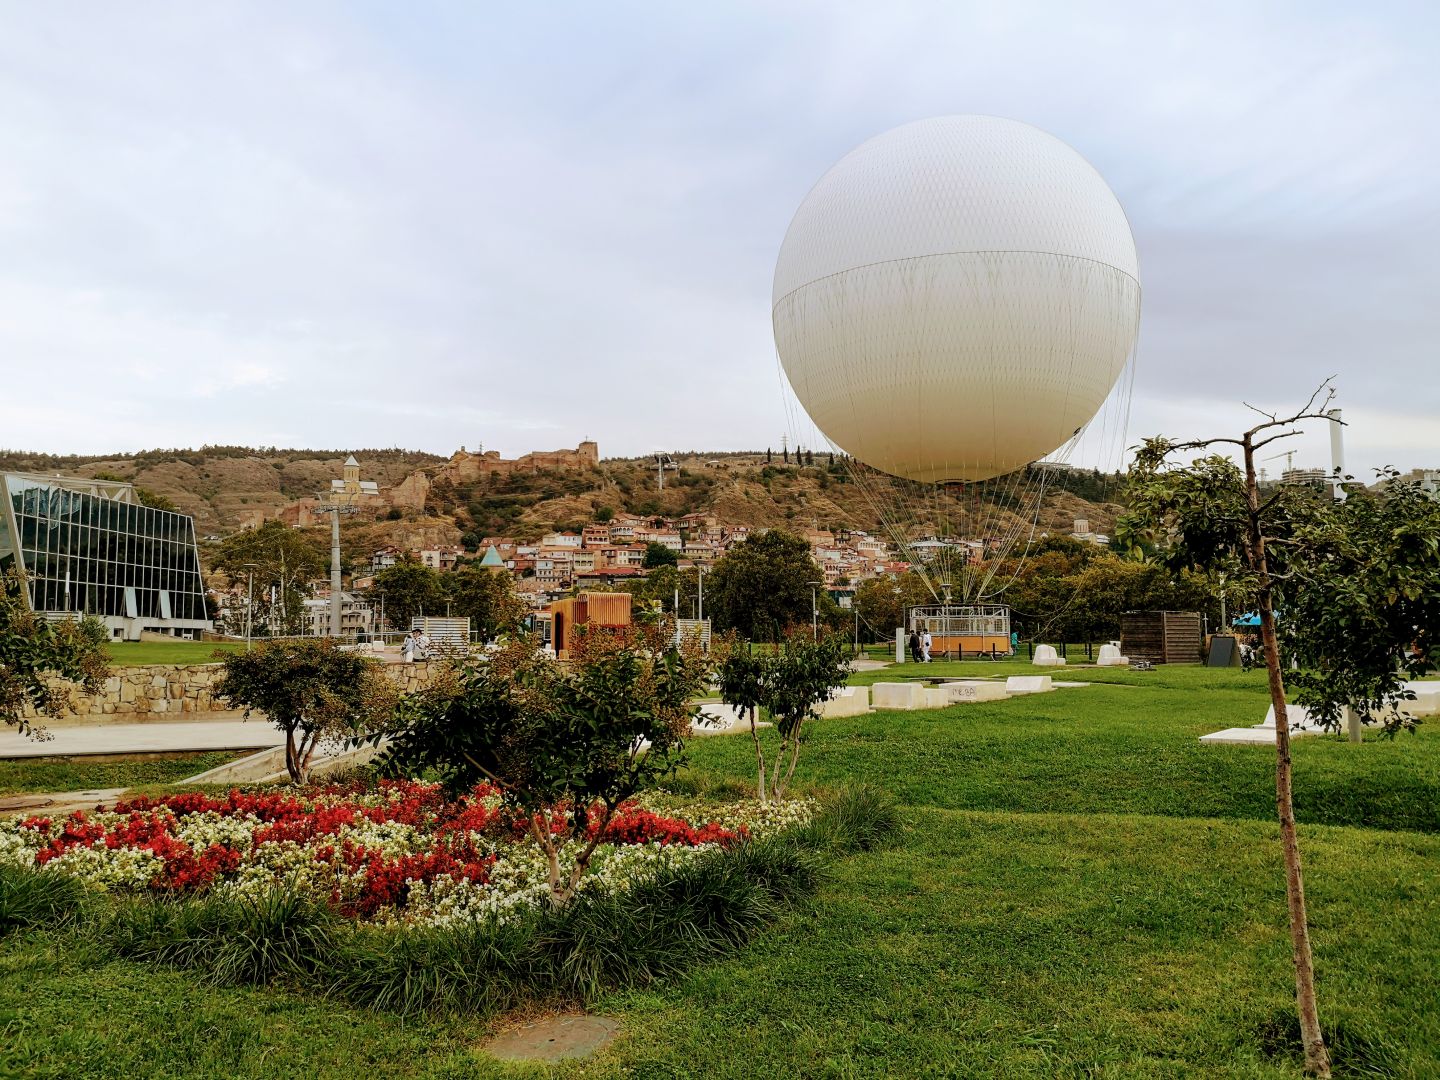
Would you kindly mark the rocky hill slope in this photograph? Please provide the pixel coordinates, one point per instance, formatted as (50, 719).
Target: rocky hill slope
(225, 487)
(228, 487)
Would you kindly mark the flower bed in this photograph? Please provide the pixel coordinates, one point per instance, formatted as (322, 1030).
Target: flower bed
(397, 853)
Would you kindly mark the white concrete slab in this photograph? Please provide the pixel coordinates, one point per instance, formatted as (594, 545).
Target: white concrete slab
(1029, 684)
(973, 691)
(1110, 657)
(847, 701)
(1427, 699)
(890, 695)
(937, 697)
(1254, 736)
(1263, 733)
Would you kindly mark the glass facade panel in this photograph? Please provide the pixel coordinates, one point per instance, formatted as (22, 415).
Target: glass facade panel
(81, 551)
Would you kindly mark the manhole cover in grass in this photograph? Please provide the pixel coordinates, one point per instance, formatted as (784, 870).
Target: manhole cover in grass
(557, 1038)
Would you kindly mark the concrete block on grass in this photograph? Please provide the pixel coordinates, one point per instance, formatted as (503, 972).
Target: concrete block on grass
(847, 701)
(895, 695)
(1029, 684)
(967, 692)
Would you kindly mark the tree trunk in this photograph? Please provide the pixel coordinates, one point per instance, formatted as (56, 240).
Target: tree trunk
(292, 756)
(540, 830)
(1317, 1057)
(759, 757)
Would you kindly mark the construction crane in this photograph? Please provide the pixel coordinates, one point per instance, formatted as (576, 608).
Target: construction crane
(1288, 455)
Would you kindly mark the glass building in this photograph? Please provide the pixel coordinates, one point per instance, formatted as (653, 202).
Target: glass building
(87, 547)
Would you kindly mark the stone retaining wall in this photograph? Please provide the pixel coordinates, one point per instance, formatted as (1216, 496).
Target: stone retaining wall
(188, 688)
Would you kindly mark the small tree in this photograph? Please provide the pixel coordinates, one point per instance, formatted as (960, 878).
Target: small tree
(763, 584)
(659, 555)
(41, 663)
(408, 588)
(881, 601)
(312, 690)
(789, 683)
(578, 738)
(1358, 580)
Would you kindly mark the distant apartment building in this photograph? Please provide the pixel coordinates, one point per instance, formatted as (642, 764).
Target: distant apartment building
(664, 537)
(441, 558)
(567, 540)
(357, 617)
(595, 536)
(385, 558)
(623, 555)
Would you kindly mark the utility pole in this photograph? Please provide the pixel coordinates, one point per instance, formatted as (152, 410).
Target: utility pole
(700, 585)
(815, 609)
(342, 501)
(249, 602)
(335, 577)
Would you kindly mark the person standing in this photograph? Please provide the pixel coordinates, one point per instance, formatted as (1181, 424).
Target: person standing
(407, 648)
(925, 643)
(914, 642)
(422, 645)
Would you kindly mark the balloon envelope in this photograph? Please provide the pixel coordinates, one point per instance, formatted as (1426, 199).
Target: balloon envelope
(956, 298)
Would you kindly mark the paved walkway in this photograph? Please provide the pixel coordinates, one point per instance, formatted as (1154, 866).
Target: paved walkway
(200, 737)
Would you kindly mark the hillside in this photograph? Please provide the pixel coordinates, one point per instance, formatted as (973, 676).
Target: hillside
(228, 487)
(225, 487)
(743, 489)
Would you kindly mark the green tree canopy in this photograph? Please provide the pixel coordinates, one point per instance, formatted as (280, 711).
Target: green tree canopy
(279, 553)
(409, 588)
(312, 690)
(42, 662)
(881, 602)
(659, 555)
(487, 598)
(762, 585)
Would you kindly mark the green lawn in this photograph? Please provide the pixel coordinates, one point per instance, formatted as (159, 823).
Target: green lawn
(137, 653)
(1081, 890)
(83, 774)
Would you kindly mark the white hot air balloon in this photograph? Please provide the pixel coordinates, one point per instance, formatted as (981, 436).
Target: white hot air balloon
(955, 299)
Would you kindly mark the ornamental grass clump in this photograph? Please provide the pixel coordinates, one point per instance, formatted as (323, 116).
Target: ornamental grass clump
(859, 818)
(277, 936)
(28, 899)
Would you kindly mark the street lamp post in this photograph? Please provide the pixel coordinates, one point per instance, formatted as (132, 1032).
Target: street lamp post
(814, 609)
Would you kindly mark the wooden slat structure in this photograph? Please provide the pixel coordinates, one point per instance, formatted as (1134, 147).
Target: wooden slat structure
(561, 620)
(1162, 637)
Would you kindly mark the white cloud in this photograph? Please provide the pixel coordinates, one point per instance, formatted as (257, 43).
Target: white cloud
(519, 226)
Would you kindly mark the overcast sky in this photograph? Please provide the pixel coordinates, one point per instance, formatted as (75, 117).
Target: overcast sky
(435, 224)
